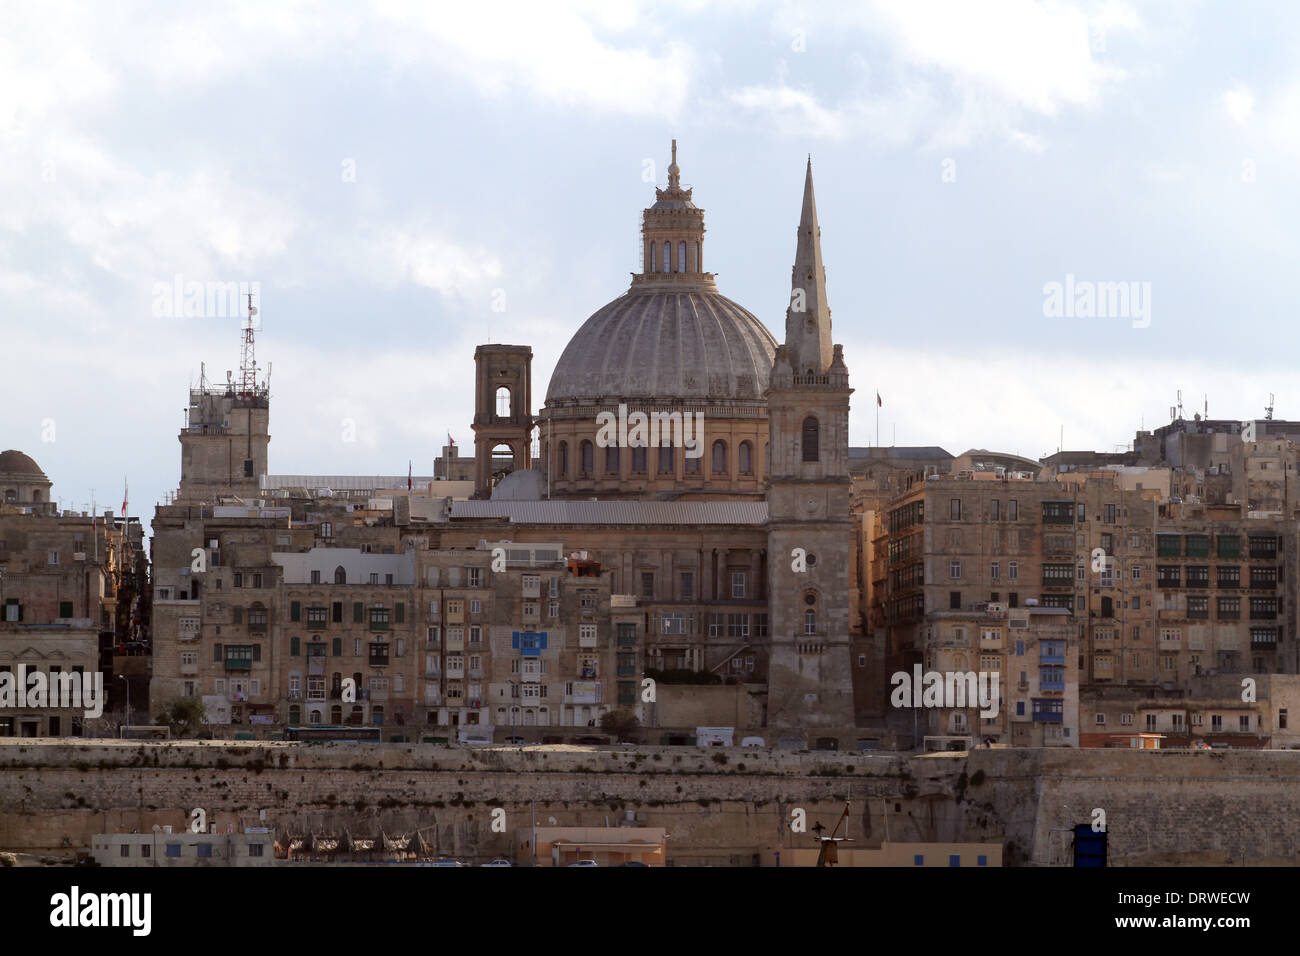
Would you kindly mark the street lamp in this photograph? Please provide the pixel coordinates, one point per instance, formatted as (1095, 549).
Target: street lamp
(122, 677)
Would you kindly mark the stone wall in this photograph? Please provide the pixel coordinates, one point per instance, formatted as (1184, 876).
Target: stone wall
(720, 806)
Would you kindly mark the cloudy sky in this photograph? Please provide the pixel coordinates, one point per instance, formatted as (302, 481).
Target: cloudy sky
(388, 172)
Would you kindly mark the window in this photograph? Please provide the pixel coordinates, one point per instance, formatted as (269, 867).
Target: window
(993, 571)
(173, 850)
(611, 460)
(954, 509)
(638, 461)
(746, 461)
(688, 585)
(588, 458)
(719, 457)
(1013, 510)
(738, 584)
(647, 584)
(315, 577)
(994, 508)
(954, 569)
(564, 459)
(1013, 570)
(811, 439)
(810, 622)
(665, 459)
(954, 600)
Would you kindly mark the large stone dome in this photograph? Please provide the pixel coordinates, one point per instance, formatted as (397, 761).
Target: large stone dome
(665, 346)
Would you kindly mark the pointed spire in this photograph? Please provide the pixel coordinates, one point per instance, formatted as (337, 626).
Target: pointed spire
(808, 317)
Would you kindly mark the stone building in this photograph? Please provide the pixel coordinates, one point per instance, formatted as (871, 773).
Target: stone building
(73, 599)
(689, 544)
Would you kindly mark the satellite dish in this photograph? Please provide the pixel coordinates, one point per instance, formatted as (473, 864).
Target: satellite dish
(156, 828)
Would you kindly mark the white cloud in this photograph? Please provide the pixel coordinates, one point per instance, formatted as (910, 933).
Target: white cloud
(548, 51)
(1239, 102)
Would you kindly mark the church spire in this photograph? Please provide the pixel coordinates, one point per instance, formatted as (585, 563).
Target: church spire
(808, 317)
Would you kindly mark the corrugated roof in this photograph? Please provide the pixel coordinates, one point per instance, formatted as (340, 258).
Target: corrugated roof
(345, 482)
(615, 512)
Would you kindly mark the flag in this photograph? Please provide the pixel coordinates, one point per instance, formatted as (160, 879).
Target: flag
(878, 401)
(408, 474)
(451, 441)
(124, 496)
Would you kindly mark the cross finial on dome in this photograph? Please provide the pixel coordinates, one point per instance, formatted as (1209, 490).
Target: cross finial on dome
(674, 174)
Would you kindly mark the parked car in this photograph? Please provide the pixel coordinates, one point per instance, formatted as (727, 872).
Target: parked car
(634, 863)
(585, 863)
(499, 861)
(446, 861)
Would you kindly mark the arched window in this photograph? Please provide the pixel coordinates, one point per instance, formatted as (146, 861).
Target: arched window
(314, 717)
(692, 463)
(611, 460)
(746, 460)
(668, 254)
(811, 431)
(503, 402)
(665, 459)
(638, 460)
(564, 459)
(681, 256)
(810, 622)
(340, 575)
(719, 457)
(588, 458)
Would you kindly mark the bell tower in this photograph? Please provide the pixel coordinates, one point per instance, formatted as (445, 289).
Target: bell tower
(810, 529)
(503, 419)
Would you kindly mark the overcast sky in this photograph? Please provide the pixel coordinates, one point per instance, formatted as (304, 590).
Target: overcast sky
(387, 173)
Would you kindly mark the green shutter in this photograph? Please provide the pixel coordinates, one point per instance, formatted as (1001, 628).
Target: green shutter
(295, 610)
(400, 615)
(65, 609)
(294, 649)
(357, 612)
(216, 652)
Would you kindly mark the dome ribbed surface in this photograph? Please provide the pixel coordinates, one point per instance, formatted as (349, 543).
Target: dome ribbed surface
(666, 347)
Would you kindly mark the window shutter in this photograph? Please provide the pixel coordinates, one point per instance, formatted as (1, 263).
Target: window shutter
(400, 615)
(216, 653)
(357, 613)
(257, 652)
(295, 610)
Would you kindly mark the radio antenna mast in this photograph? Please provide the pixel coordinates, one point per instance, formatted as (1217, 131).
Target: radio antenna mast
(247, 358)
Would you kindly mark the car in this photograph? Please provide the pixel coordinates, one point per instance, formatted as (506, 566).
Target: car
(634, 863)
(585, 863)
(446, 861)
(499, 861)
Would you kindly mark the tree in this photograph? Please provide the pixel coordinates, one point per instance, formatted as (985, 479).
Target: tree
(621, 722)
(184, 715)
